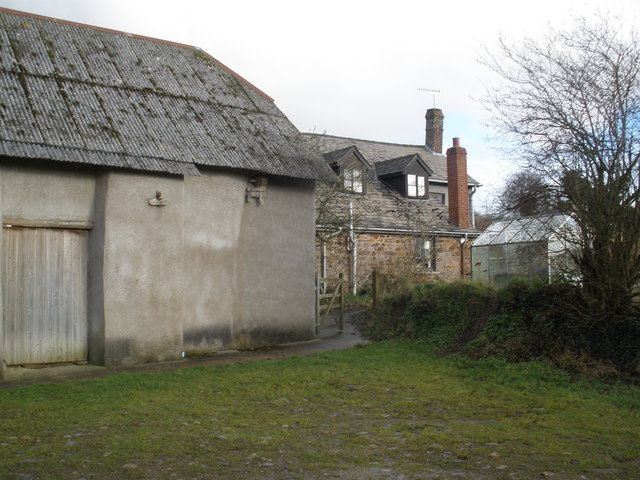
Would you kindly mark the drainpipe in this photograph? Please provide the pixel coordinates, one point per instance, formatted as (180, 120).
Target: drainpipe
(463, 242)
(354, 250)
(323, 258)
(473, 214)
(323, 251)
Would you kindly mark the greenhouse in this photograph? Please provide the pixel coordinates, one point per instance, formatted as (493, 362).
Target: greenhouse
(529, 248)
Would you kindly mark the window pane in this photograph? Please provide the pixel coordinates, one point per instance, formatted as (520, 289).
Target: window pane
(353, 180)
(421, 188)
(426, 252)
(438, 196)
(412, 186)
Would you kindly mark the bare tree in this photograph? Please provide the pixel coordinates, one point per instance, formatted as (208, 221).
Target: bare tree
(527, 193)
(570, 104)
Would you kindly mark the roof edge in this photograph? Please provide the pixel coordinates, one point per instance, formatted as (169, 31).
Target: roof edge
(142, 37)
(76, 155)
(370, 141)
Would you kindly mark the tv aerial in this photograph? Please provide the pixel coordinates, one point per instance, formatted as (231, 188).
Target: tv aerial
(433, 92)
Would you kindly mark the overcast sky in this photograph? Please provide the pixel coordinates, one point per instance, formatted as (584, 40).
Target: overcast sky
(352, 68)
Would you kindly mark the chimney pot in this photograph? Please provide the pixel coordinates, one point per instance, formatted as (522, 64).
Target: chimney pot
(456, 142)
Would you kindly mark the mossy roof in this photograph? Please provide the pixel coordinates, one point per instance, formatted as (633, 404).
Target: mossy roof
(75, 93)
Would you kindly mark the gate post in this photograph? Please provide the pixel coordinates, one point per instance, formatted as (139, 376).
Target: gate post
(317, 321)
(376, 285)
(341, 321)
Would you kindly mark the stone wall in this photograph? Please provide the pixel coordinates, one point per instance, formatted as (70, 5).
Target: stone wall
(395, 256)
(451, 252)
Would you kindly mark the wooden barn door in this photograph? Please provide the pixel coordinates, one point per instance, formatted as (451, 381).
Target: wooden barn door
(44, 293)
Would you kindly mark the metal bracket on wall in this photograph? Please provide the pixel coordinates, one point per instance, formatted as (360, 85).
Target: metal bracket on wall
(256, 189)
(158, 201)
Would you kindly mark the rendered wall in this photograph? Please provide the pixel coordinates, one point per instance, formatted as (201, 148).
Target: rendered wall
(143, 283)
(214, 205)
(276, 266)
(204, 272)
(2, 353)
(33, 194)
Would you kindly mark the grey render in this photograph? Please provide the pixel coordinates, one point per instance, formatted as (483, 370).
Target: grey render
(150, 148)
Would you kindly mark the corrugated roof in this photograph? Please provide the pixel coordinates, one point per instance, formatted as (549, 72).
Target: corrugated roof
(75, 93)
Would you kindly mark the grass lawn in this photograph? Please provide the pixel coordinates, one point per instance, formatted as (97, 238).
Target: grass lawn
(387, 410)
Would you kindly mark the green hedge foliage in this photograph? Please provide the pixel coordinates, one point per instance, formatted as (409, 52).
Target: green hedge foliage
(521, 322)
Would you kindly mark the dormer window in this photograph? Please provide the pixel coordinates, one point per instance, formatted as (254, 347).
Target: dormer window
(349, 164)
(416, 186)
(353, 180)
(408, 175)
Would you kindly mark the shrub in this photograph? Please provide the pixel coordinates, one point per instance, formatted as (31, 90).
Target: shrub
(521, 322)
(443, 313)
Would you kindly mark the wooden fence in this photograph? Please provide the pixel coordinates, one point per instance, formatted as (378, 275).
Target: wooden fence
(329, 297)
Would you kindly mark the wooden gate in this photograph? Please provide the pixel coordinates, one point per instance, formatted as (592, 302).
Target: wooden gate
(329, 297)
(44, 295)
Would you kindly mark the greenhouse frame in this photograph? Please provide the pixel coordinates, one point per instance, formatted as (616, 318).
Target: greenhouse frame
(531, 248)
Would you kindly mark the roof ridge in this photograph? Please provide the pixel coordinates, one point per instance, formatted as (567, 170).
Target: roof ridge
(372, 141)
(141, 37)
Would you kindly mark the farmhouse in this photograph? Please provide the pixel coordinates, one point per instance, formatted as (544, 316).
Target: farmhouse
(403, 210)
(153, 202)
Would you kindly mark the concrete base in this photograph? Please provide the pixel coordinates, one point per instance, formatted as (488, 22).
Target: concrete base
(55, 372)
(329, 339)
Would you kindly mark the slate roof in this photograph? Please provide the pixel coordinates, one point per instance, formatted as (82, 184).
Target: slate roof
(399, 165)
(76, 93)
(336, 157)
(381, 208)
(376, 152)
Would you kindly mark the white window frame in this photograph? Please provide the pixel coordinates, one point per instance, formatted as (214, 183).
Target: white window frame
(416, 185)
(353, 180)
(426, 252)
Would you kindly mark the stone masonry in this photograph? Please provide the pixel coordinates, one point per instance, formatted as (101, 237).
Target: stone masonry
(395, 256)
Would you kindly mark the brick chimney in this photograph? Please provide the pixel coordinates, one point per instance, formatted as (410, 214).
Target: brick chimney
(458, 188)
(435, 122)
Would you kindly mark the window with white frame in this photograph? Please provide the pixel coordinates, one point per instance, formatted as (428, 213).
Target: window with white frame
(353, 180)
(416, 186)
(426, 252)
